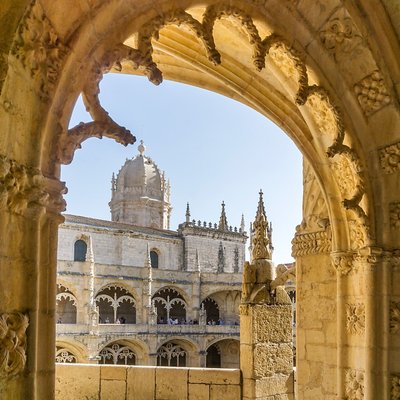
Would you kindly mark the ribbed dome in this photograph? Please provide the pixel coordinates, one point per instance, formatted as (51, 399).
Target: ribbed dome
(140, 193)
(140, 172)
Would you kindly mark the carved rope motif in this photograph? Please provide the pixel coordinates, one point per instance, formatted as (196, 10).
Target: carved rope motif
(354, 381)
(304, 244)
(12, 343)
(39, 49)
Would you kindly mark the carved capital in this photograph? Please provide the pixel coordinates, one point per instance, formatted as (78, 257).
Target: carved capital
(355, 318)
(343, 263)
(40, 49)
(389, 158)
(354, 384)
(12, 343)
(371, 93)
(394, 317)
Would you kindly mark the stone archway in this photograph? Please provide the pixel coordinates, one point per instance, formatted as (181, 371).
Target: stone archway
(330, 95)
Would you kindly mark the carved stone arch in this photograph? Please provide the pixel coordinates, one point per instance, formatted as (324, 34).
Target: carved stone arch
(66, 305)
(227, 355)
(190, 347)
(139, 347)
(76, 348)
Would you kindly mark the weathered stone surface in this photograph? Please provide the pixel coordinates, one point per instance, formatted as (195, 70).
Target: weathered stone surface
(141, 383)
(272, 359)
(199, 391)
(114, 372)
(218, 392)
(171, 383)
(216, 376)
(113, 390)
(274, 385)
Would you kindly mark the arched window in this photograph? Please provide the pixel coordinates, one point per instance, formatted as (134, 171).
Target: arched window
(154, 259)
(213, 358)
(116, 305)
(170, 306)
(211, 308)
(65, 305)
(171, 355)
(80, 249)
(64, 356)
(117, 354)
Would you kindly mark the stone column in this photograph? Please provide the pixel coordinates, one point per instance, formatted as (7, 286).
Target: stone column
(266, 356)
(30, 208)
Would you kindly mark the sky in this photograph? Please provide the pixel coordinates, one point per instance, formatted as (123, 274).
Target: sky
(212, 149)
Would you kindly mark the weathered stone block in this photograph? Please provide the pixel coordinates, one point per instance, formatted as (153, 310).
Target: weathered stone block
(113, 390)
(228, 392)
(273, 359)
(171, 383)
(141, 383)
(199, 391)
(114, 372)
(215, 376)
(272, 323)
(274, 385)
(77, 383)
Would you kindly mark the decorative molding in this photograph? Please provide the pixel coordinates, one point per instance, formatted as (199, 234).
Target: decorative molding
(12, 343)
(371, 93)
(340, 35)
(354, 384)
(394, 317)
(395, 387)
(39, 49)
(394, 215)
(389, 158)
(305, 244)
(343, 263)
(355, 318)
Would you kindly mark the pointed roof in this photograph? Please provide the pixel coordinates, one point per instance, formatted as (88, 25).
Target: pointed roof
(260, 240)
(223, 222)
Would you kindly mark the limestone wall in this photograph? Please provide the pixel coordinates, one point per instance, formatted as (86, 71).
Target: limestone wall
(95, 382)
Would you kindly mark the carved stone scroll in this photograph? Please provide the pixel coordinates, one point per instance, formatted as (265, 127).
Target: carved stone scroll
(12, 343)
(354, 381)
(371, 93)
(40, 49)
(355, 318)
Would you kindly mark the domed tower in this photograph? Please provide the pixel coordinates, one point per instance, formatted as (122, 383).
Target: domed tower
(140, 194)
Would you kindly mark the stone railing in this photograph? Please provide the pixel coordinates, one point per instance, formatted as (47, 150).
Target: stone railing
(101, 382)
(68, 329)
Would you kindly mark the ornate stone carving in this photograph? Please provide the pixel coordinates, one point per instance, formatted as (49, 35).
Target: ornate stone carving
(389, 158)
(371, 93)
(343, 263)
(39, 48)
(358, 234)
(340, 36)
(394, 214)
(21, 186)
(346, 176)
(395, 387)
(304, 244)
(354, 381)
(394, 317)
(12, 343)
(355, 318)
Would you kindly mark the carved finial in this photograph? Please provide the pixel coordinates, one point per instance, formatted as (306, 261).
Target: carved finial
(242, 225)
(141, 148)
(187, 213)
(223, 222)
(260, 247)
(147, 264)
(113, 183)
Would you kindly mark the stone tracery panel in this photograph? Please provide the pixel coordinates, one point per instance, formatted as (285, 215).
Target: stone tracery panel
(171, 354)
(66, 305)
(65, 356)
(117, 354)
(170, 305)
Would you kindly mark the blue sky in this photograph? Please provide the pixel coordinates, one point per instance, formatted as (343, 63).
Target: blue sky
(212, 148)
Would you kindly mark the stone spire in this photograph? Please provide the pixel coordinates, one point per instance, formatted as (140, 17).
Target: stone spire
(149, 275)
(260, 247)
(187, 213)
(113, 183)
(242, 225)
(223, 222)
